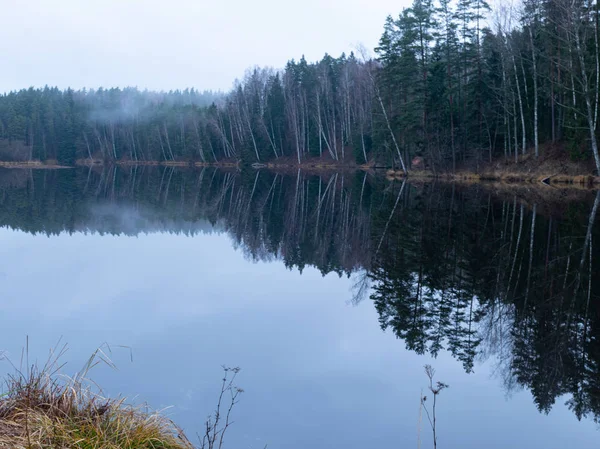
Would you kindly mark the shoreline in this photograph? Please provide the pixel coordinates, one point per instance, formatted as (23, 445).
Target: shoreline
(505, 178)
(311, 164)
(49, 165)
(498, 177)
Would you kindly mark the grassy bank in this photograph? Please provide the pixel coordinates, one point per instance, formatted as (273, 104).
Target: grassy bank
(38, 413)
(504, 177)
(280, 164)
(129, 163)
(552, 167)
(41, 409)
(48, 165)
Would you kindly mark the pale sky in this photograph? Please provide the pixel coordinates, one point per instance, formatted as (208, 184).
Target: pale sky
(173, 44)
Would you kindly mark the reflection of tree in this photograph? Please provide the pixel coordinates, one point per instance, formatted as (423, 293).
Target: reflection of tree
(303, 219)
(421, 286)
(555, 330)
(461, 272)
(448, 268)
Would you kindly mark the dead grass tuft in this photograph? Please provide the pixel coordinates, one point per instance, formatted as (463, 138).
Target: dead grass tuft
(42, 409)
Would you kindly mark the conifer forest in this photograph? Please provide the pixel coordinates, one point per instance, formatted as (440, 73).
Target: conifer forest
(456, 83)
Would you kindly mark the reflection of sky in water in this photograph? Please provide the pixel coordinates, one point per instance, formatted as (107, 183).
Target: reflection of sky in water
(317, 372)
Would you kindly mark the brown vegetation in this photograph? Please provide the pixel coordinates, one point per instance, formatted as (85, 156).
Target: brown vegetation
(40, 409)
(550, 168)
(50, 164)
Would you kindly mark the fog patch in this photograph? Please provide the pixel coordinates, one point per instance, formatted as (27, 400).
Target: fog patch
(124, 219)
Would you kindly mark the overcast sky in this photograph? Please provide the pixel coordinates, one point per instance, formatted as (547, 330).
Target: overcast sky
(172, 44)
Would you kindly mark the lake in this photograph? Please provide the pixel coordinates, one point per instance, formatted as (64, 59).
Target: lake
(331, 291)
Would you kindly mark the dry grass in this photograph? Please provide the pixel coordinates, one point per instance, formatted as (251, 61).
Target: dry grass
(506, 177)
(554, 166)
(414, 174)
(42, 409)
(535, 178)
(88, 162)
(128, 163)
(131, 163)
(33, 164)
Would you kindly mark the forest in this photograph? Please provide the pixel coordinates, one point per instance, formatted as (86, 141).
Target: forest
(456, 84)
(511, 279)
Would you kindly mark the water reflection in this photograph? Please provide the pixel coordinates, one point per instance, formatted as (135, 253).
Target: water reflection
(509, 277)
(485, 277)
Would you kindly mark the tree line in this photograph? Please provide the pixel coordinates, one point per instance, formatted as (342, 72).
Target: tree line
(453, 82)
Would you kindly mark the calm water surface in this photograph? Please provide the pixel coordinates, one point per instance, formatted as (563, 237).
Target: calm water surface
(331, 292)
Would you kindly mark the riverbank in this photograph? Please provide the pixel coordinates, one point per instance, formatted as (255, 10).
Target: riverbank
(552, 167)
(38, 165)
(130, 163)
(502, 177)
(279, 164)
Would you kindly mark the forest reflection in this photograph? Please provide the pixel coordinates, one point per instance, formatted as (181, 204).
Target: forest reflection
(508, 276)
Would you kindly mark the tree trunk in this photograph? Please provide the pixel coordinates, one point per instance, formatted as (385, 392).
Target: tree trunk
(588, 102)
(524, 143)
(535, 96)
